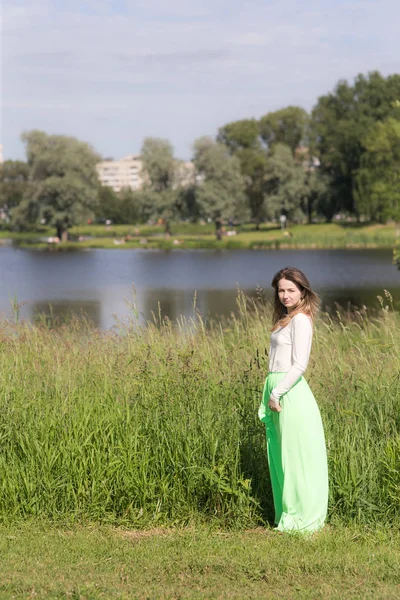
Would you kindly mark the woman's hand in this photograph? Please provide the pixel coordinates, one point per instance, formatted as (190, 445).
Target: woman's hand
(274, 405)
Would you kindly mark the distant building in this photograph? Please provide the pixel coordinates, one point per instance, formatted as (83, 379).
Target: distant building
(130, 173)
(1, 153)
(120, 174)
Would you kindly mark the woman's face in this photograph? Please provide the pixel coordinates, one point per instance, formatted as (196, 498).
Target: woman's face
(289, 294)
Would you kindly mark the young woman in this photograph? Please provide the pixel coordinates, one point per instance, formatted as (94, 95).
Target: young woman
(295, 435)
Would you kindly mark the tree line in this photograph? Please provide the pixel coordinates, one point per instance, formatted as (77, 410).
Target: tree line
(341, 158)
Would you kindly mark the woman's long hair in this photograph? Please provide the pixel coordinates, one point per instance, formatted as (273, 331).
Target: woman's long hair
(309, 301)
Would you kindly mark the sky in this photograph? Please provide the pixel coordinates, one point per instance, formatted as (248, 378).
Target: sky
(112, 72)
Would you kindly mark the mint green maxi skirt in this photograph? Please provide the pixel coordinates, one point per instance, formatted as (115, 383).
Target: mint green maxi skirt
(296, 457)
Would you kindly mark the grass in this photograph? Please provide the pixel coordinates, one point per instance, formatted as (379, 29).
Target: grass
(42, 561)
(188, 235)
(133, 464)
(157, 426)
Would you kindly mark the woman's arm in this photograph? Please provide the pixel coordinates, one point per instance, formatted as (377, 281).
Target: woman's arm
(301, 333)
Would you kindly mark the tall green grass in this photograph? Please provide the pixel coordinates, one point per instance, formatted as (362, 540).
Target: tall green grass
(158, 425)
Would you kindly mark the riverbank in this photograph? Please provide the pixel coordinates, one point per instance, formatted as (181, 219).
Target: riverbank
(43, 561)
(192, 236)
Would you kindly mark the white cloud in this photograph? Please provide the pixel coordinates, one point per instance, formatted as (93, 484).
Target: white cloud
(113, 72)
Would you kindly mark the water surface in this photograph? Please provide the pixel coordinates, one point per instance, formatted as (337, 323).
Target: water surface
(100, 282)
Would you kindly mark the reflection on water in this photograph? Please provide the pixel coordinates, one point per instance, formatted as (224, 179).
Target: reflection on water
(100, 282)
(174, 303)
(156, 304)
(218, 304)
(59, 312)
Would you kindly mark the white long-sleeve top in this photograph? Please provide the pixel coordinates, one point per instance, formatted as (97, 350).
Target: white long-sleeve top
(289, 352)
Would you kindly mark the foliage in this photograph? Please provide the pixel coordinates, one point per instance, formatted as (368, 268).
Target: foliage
(159, 198)
(315, 194)
(120, 207)
(114, 205)
(240, 135)
(378, 179)
(189, 209)
(158, 162)
(64, 184)
(274, 181)
(254, 167)
(152, 205)
(353, 131)
(285, 126)
(219, 191)
(242, 138)
(14, 175)
(284, 182)
(109, 205)
(130, 206)
(340, 123)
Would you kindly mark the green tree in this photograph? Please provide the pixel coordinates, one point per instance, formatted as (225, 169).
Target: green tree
(121, 207)
(315, 193)
(339, 125)
(158, 199)
(220, 190)
(109, 205)
(153, 205)
(159, 164)
(240, 135)
(188, 207)
(284, 184)
(242, 138)
(254, 166)
(64, 184)
(378, 179)
(287, 126)
(129, 205)
(147, 204)
(14, 181)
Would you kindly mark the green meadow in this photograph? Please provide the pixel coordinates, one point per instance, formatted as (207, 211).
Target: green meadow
(190, 235)
(158, 425)
(133, 463)
(43, 561)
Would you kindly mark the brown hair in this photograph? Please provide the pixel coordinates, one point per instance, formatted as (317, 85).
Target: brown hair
(309, 301)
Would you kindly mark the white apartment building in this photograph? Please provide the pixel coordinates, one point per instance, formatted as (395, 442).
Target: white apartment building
(119, 174)
(129, 173)
(1, 154)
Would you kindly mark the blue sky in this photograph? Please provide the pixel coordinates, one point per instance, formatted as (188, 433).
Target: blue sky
(114, 72)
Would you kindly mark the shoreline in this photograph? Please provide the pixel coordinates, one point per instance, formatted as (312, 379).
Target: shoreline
(326, 236)
(185, 245)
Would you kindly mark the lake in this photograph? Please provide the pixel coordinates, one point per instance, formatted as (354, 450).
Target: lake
(100, 282)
